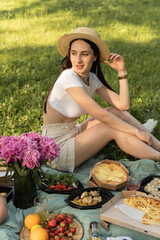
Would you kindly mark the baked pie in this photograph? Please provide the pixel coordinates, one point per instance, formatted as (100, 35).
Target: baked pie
(110, 173)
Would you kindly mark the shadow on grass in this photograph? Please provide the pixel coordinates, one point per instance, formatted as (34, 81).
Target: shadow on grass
(24, 64)
(131, 12)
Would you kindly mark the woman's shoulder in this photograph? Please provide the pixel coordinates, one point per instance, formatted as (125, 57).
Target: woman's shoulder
(69, 78)
(65, 75)
(68, 72)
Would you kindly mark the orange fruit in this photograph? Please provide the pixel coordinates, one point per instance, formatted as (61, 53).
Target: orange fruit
(31, 220)
(39, 234)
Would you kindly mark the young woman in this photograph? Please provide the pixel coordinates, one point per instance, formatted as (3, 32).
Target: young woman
(71, 96)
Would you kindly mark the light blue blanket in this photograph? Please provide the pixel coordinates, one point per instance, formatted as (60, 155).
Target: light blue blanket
(9, 230)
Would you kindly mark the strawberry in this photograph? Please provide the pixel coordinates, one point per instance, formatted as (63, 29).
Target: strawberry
(56, 232)
(64, 238)
(71, 225)
(58, 219)
(65, 233)
(72, 230)
(46, 227)
(64, 223)
(60, 216)
(60, 229)
(57, 237)
(60, 234)
(69, 220)
(70, 234)
(52, 223)
(51, 234)
(52, 229)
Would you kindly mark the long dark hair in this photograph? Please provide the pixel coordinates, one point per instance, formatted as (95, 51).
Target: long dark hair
(96, 68)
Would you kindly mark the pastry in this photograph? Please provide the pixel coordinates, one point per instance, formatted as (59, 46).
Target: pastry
(150, 206)
(110, 173)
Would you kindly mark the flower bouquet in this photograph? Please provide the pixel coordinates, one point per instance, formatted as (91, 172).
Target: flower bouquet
(24, 156)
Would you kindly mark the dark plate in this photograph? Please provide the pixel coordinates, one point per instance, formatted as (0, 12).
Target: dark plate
(105, 194)
(147, 180)
(8, 190)
(47, 190)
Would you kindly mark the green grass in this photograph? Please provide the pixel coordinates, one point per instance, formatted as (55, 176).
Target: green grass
(29, 59)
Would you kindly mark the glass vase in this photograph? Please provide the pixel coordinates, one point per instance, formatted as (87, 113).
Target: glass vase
(24, 191)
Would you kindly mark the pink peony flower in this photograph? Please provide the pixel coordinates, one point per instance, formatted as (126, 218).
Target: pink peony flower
(28, 149)
(48, 148)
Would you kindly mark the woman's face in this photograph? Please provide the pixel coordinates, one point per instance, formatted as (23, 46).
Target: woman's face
(82, 57)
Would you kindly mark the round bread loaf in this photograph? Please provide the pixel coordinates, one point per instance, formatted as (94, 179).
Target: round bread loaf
(110, 173)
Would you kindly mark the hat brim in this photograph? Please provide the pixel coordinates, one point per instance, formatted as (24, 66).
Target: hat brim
(64, 41)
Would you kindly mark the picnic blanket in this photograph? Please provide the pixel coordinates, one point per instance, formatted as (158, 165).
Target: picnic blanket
(10, 228)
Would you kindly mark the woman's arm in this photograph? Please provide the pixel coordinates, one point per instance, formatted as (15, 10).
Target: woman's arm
(92, 108)
(121, 101)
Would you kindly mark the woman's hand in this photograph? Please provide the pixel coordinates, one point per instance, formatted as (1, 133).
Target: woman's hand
(145, 136)
(117, 63)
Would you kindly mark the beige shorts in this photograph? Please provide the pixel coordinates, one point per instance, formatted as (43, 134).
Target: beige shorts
(64, 135)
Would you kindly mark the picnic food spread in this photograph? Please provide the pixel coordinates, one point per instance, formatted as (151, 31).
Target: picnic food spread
(110, 173)
(150, 206)
(153, 187)
(88, 198)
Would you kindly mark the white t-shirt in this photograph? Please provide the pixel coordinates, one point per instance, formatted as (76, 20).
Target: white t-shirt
(60, 100)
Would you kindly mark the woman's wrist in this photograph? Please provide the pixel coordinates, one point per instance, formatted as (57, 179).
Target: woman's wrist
(122, 75)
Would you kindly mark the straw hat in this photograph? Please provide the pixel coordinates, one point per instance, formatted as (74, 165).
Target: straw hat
(84, 33)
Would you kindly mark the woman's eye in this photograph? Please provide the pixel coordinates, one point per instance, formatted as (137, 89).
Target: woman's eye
(73, 53)
(85, 54)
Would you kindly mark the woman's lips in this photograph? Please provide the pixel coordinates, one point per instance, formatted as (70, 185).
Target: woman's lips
(79, 66)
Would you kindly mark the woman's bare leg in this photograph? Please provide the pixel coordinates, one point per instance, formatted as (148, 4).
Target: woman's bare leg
(97, 135)
(127, 117)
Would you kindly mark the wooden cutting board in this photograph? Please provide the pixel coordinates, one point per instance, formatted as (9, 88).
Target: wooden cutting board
(25, 233)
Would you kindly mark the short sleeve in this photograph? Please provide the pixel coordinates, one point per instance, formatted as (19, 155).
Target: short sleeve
(69, 78)
(98, 82)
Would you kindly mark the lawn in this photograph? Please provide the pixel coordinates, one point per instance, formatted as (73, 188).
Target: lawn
(30, 61)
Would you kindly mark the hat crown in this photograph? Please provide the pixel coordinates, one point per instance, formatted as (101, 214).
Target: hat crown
(88, 31)
(83, 33)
